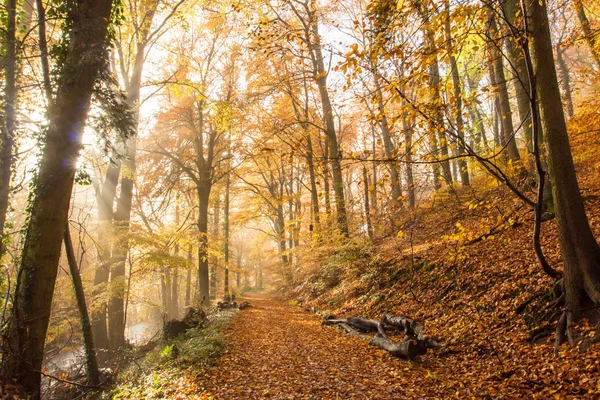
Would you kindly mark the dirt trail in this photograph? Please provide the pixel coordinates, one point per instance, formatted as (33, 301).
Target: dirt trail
(278, 351)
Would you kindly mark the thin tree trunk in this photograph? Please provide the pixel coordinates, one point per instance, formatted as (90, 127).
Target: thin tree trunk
(565, 79)
(461, 162)
(326, 179)
(507, 137)
(86, 325)
(518, 70)
(437, 130)
(408, 133)
(226, 287)
(239, 273)
(106, 234)
(214, 267)
(41, 251)
(366, 201)
(373, 190)
(330, 132)
(389, 147)
(188, 280)
(314, 194)
(8, 119)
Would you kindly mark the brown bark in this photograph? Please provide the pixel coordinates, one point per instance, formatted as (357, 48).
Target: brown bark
(410, 184)
(580, 251)
(7, 121)
(388, 146)
(437, 134)
(41, 251)
(226, 287)
(86, 325)
(366, 201)
(497, 62)
(463, 169)
(313, 39)
(518, 68)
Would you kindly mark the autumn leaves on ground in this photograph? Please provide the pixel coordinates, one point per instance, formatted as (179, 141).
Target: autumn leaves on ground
(478, 288)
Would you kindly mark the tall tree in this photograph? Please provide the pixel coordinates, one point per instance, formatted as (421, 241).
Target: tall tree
(580, 251)
(85, 56)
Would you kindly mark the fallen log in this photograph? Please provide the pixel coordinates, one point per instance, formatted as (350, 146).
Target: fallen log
(175, 327)
(412, 328)
(243, 305)
(360, 324)
(415, 343)
(410, 348)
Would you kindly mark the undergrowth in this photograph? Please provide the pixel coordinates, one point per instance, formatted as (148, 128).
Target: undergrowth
(157, 374)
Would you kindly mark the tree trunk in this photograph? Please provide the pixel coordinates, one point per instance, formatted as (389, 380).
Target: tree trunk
(7, 121)
(410, 183)
(458, 116)
(226, 287)
(85, 57)
(188, 281)
(260, 276)
(588, 34)
(436, 128)
(507, 138)
(330, 133)
(389, 148)
(106, 233)
(86, 325)
(238, 274)
(374, 205)
(116, 303)
(214, 265)
(518, 70)
(203, 276)
(314, 194)
(366, 201)
(475, 114)
(565, 79)
(580, 252)
(326, 190)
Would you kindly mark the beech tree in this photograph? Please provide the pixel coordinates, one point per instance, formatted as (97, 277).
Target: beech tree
(84, 57)
(580, 251)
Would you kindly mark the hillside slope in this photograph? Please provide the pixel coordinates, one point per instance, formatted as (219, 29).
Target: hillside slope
(464, 264)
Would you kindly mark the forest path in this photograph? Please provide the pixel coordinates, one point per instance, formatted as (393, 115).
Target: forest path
(278, 351)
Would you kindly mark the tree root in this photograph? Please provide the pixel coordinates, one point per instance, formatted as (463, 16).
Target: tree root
(563, 330)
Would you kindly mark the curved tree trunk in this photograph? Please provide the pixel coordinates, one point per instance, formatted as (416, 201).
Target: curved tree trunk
(86, 325)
